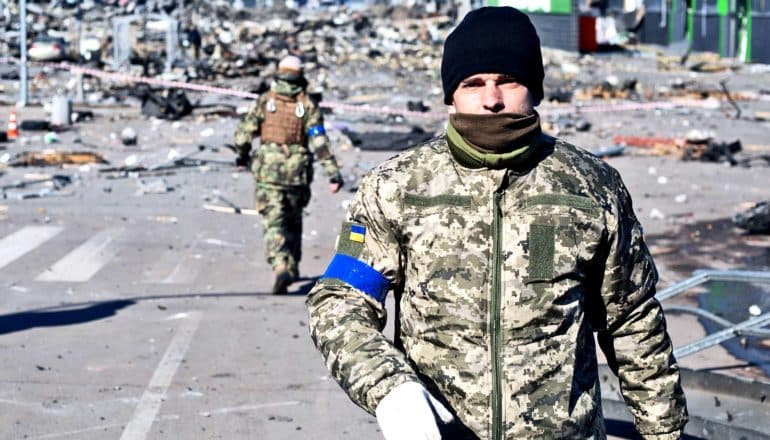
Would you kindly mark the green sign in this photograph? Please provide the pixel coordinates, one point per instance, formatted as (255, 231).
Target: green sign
(546, 6)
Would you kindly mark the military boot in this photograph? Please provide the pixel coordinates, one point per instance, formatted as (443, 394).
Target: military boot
(282, 280)
(294, 272)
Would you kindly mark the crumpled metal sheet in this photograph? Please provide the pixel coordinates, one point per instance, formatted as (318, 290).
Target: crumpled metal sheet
(755, 220)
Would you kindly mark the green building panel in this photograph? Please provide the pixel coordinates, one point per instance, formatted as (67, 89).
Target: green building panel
(723, 7)
(541, 6)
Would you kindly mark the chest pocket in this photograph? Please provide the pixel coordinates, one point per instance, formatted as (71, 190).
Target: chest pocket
(446, 249)
(427, 214)
(436, 228)
(564, 232)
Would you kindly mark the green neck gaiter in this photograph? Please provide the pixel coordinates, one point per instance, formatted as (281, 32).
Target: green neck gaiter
(508, 139)
(286, 88)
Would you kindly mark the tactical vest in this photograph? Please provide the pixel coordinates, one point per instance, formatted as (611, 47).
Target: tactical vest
(283, 123)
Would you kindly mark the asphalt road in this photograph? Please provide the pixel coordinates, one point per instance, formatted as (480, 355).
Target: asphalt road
(130, 315)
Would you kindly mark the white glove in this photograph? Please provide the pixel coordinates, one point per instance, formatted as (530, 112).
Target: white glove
(408, 412)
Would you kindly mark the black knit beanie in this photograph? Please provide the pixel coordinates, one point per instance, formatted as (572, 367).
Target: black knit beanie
(493, 39)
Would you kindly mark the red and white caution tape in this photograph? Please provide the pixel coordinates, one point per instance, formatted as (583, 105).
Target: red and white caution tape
(154, 81)
(572, 109)
(629, 106)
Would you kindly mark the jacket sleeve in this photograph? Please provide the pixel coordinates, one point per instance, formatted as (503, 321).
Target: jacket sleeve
(346, 306)
(635, 340)
(319, 141)
(248, 128)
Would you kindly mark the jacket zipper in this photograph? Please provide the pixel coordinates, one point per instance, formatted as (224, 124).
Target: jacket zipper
(495, 326)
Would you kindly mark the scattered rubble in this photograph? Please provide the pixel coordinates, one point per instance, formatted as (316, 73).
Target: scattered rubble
(128, 136)
(34, 125)
(132, 164)
(610, 88)
(170, 104)
(55, 158)
(560, 124)
(376, 69)
(154, 186)
(703, 149)
(387, 140)
(712, 151)
(613, 151)
(43, 186)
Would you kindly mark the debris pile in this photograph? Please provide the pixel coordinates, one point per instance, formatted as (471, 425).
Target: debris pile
(696, 146)
(36, 186)
(710, 150)
(216, 42)
(166, 103)
(755, 220)
(55, 158)
(377, 70)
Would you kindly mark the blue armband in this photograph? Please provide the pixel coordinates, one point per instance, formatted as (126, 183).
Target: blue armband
(316, 130)
(358, 274)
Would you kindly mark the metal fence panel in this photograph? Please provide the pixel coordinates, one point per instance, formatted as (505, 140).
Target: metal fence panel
(557, 30)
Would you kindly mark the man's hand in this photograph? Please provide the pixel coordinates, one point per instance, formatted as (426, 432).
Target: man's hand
(409, 412)
(335, 183)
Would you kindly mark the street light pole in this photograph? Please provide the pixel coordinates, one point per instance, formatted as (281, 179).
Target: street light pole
(23, 42)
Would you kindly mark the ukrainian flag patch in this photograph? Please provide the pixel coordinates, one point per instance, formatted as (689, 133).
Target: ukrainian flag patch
(357, 233)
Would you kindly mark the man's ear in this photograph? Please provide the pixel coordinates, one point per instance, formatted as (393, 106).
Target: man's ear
(451, 109)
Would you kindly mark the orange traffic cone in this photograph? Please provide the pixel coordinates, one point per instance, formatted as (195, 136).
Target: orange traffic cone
(13, 127)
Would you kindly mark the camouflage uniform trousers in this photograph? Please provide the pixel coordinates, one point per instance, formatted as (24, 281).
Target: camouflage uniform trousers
(281, 210)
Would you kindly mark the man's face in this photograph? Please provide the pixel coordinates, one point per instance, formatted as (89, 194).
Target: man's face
(489, 93)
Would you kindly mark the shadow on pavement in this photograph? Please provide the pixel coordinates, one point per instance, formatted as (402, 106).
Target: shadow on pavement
(304, 289)
(77, 313)
(66, 315)
(626, 430)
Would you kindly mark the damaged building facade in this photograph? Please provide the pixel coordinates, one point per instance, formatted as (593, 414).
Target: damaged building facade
(732, 28)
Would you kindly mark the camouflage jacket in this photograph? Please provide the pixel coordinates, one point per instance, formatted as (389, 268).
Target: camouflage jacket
(500, 278)
(292, 164)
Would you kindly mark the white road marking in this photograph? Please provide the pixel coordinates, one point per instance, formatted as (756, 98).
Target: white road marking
(171, 269)
(35, 406)
(96, 428)
(181, 315)
(170, 417)
(87, 259)
(149, 404)
(24, 240)
(80, 431)
(244, 408)
(222, 243)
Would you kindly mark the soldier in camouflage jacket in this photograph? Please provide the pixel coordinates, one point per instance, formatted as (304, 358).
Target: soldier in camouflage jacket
(505, 250)
(288, 123)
